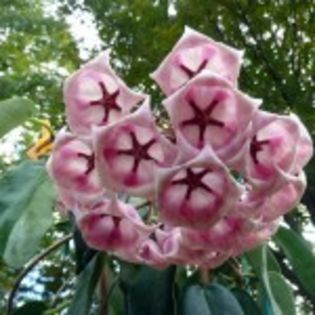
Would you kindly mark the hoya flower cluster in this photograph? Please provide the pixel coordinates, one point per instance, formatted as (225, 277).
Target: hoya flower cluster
(215, 189)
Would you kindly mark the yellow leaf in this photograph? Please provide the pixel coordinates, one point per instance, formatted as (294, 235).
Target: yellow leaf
(45, 142)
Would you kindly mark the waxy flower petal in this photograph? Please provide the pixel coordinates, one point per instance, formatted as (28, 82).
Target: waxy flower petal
(96, 96)
(257, 236)
(129, 152)
(193, 53)
(209, 111)
(284, 199)
(72, 166)
(193, 194)
(162, 249)
(223, 236)
(112, 226)
(278, 145)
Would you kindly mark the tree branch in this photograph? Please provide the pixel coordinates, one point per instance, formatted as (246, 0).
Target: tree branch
(30, 265)
(258, 50)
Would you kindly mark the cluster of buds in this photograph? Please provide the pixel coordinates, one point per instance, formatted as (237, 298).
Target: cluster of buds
(215, 187)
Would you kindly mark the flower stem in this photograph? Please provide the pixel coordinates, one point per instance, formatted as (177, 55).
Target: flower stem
(30, 265)
(204, 275)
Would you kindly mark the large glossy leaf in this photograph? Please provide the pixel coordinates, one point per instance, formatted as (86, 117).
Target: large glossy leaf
(255, 258)
(281, 292)
(221, 301)
(148, 291)
(213, 299)
(277, 302)
(26, 202)
(194, 301)
(14, 112)
(247, 303)
(85, 287)
(300, 255)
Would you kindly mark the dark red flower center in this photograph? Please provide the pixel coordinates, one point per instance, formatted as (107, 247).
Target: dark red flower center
(90, 159)
(191, 73)
(107, 101)
(202, 118)
(193, 181)
(255, 147)
(139, 151)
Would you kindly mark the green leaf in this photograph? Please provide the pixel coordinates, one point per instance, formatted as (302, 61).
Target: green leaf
(83, 253)
(26, 202)
(34, 307)
(194, 301)
(213, 299)
(281, 292)
(255, 258)
(115, 297)
(221, 301)
(247, 303)
(14, 112)
(300, 255)
(86, 283)
(276, 302)
(148, 291)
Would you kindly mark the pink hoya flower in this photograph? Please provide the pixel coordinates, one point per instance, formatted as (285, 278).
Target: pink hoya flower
(193, 53)
(72, 166)
(163, 248)
(254, 238)
(280, 202)
(129, 153)
(279, 146)
(222, 236)
(96, 96)
(209, 111)
(193, 194)
(114, 226)
(217, 192)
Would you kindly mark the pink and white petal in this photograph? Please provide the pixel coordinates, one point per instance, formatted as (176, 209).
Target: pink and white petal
(193, 53)
(95, 95)
(256, 237)
(192, 194)
(209, 111)
(223, 236)
(305, 147)
(106, 227)
(129, 152)
(152, 255)
(71, 165)
(285, 199)
(272, 149)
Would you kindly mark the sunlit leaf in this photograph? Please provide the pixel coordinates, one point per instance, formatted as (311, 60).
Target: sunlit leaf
(275, 302)
(26, 202)
(14, 112)
(300, 254)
